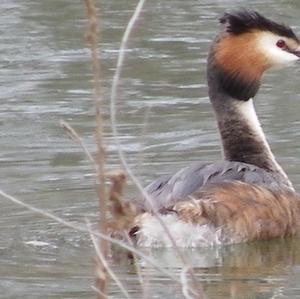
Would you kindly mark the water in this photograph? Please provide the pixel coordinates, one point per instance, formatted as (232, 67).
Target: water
(165, 120)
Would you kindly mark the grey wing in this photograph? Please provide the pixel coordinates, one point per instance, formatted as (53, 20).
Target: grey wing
(170, 189)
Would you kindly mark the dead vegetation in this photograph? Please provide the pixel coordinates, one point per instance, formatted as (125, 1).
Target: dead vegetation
(122, 214)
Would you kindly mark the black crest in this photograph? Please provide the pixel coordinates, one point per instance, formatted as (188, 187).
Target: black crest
(247, 20)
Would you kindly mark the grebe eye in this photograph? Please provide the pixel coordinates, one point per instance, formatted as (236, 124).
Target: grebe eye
(280, 43)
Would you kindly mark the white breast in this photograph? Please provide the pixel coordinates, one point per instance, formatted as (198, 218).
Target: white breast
(152, 234)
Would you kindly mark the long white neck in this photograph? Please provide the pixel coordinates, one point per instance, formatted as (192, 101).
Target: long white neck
(248, 114)
(243, 138)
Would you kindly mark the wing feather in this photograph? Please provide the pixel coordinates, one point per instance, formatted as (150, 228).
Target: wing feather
(169, 189)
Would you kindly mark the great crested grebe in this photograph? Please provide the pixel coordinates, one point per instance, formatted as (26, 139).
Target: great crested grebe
(248, 196)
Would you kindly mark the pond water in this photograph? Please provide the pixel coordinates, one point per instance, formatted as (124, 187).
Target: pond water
(165, 121)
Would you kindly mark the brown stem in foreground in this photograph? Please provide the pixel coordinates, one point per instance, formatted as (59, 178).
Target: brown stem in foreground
(92, 39)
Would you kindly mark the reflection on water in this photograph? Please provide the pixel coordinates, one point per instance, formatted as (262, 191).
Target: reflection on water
(165, 121)
(256, 270)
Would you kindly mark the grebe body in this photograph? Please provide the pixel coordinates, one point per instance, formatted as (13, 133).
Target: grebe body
(247, 196)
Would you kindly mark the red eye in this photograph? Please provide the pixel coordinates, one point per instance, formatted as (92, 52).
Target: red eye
(280, 43)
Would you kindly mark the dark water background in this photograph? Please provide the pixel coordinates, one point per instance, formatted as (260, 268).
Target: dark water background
(165, 121)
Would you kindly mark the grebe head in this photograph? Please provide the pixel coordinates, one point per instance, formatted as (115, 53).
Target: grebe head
(248, 45)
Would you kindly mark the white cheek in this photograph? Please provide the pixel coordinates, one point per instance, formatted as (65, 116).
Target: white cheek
(281, 57)
(277, 56)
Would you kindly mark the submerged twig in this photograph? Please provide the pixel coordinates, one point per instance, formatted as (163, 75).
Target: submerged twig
(84, 229)
(104, 263)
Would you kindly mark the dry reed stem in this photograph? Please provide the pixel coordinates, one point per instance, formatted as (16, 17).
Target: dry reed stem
(121, 154)
(123, 215)
(114, 88)
(92, 38)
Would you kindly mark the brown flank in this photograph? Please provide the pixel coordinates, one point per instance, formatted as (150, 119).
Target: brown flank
(242, 211)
